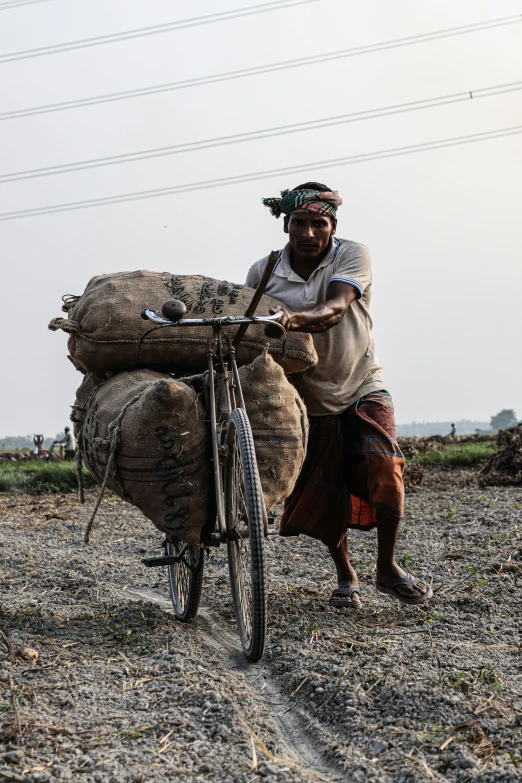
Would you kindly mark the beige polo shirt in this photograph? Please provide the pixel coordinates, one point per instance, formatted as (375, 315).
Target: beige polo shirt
(348, 367)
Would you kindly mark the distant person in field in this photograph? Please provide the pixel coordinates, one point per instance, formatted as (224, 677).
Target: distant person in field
(352, 475)
(70, 445)
(38, 445)
(453, 431)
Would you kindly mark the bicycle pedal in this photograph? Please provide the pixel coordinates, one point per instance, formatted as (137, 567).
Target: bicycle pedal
(155, 562)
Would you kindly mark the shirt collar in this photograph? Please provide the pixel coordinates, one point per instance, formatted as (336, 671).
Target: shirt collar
(284, 267)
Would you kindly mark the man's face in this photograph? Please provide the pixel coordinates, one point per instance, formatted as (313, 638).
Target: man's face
(308, 232)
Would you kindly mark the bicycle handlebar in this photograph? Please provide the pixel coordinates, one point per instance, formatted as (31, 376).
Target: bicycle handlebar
(225, 320)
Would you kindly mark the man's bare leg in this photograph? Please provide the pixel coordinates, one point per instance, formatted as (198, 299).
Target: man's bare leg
(346, 595)
(387, 568)
(346, 576)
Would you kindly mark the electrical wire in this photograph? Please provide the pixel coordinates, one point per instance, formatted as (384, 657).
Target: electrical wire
(181, 24)
(265, 133)
(256, 70)
(18, 3)
(251, 177)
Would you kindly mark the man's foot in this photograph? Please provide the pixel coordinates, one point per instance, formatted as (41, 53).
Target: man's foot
(406, 588)
(346, 596)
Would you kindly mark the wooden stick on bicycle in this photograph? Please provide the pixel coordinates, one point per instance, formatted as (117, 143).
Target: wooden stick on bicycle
(260, 290)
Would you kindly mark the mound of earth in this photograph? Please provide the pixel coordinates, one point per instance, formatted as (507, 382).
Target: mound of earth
(504, 468)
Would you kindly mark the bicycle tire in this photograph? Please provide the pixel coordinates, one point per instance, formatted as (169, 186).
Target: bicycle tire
(185, 580)
(244, 505)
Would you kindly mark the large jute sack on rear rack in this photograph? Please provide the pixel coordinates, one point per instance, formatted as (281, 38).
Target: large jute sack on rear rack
(279, 425)
(105, 325)
(161, 464)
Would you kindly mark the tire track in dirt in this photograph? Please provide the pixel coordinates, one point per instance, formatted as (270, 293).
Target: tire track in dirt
(288, 724)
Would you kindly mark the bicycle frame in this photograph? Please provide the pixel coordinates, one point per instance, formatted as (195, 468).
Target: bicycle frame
(228, 396)
(224, 388)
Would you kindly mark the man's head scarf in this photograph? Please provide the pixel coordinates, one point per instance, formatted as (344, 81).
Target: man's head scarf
(320, 202)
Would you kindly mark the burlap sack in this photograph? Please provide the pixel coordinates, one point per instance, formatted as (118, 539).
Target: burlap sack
(105, 325)
(279, 426)
(161, 461)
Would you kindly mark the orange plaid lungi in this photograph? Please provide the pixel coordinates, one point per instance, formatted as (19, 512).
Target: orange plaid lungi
(353, 467)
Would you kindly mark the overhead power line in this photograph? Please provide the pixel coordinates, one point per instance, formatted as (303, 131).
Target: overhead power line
(258, 175)
(181, 24)
(265, 133)
(257, 70)
(18, 3)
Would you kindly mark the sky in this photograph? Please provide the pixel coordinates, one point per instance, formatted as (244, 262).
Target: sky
(443, 226)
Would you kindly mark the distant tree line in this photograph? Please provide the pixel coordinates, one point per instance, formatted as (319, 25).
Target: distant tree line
(504, 420)
(424, 429)
(501, 421)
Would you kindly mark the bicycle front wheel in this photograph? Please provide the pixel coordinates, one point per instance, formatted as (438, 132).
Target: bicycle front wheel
(185, 578)
(245, 511)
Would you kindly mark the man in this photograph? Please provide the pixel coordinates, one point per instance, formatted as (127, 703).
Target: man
(352, 476)
(70, 445)
(38, 445)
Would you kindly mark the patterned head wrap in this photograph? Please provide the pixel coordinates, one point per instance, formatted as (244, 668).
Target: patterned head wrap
(321, 202)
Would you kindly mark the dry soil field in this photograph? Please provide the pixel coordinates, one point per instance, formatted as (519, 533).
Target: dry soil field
(121, 693)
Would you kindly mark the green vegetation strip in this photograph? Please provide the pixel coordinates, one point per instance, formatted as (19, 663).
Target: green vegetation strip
(39, 477)
(36, 477)
(457, 454)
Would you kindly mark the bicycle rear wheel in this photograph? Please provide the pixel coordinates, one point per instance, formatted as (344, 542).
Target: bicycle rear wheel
(185, 578)
(245, 511)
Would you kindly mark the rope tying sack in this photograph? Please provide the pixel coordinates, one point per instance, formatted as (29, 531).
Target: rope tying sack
(79, 466)
(69, 300)
(113, 441)
(71, 327)
(78, 414)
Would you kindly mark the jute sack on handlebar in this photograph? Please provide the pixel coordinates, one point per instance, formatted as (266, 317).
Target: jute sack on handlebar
(279, 425)
(105, 326)
(157, 427)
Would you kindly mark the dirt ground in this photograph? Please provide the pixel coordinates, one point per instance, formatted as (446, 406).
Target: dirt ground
(122, 693)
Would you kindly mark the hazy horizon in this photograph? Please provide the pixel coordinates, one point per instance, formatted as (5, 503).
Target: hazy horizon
(406, 429)
(443, 226)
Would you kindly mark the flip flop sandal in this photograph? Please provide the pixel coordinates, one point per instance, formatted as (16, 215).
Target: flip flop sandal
(390, 588)
(346, 598)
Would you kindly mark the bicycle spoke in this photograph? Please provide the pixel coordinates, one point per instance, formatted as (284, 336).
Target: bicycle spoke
(240, 489)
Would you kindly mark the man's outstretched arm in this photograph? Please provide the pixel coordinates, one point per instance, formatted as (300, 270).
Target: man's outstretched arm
(323, 316)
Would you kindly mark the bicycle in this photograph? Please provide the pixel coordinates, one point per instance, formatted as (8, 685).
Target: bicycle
(240, 515)
(56, 456)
